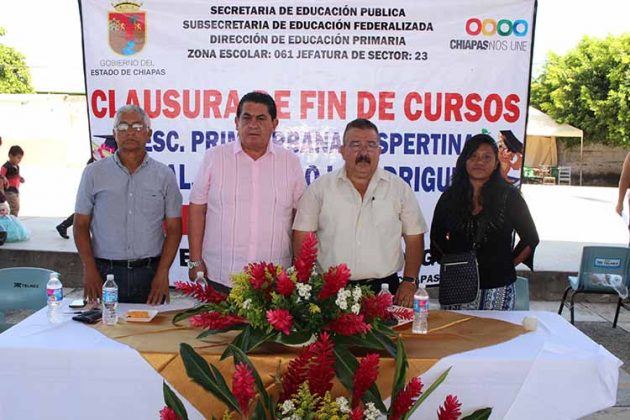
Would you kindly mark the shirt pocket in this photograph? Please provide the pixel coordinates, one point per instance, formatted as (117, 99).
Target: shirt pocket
(152, 203)
(386, 217)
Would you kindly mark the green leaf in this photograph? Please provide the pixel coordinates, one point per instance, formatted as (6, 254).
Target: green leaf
(249, 340)
(197, 369)
(400, 371)
(481, 414)
(259, 412)
(345, 365)
(241, 357)
(426, 394)
(189, 312)
(172, 400)
(385, 341)
(212, 332)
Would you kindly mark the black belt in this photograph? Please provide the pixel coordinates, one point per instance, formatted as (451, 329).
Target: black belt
(142, 262)
(365, 281)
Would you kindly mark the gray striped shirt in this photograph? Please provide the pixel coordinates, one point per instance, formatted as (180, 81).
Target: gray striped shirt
(128, 210)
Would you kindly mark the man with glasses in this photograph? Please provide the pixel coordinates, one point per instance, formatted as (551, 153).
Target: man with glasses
(244, 197)
(359, 213)
(131, 206)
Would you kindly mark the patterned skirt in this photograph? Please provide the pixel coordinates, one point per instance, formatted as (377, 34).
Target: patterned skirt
(499, 299)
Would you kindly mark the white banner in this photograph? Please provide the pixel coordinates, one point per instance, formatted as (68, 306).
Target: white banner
(428, 74)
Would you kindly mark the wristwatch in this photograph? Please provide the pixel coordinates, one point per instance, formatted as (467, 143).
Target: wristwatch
(411, 280)
(194, 264)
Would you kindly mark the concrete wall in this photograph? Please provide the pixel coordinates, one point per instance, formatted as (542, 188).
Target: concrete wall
(601, 163)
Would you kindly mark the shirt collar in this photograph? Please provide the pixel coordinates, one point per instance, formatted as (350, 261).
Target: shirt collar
(145, 161)
(377, 176)
(238, 147)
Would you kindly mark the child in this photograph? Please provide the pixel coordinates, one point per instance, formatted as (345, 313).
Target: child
(15, 230)
(11, 172)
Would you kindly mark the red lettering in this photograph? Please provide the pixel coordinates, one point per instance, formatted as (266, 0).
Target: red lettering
(513, 112)
(132, 98)
(282, 103)
(410, 99)
(493, 107)
(100, 96)
(188, 111)
(474, 112)
(366, 105)
(211, 102)
(172, 108)
(232, 104)
(453, 106)
(156, 110)
(428, 112)
(337, 105)
(306, 103)
(385, 105)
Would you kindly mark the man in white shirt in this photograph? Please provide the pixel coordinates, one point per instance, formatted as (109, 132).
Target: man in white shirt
(359, 214)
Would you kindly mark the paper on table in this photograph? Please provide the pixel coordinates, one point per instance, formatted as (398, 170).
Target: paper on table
(175, 305)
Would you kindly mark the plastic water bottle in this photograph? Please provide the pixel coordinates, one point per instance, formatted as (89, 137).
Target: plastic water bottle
(200, 279)
(54, 290)
(110, 301)
(420, 311)
(384, 289)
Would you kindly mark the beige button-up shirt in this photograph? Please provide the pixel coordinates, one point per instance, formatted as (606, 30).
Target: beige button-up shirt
(364, 233)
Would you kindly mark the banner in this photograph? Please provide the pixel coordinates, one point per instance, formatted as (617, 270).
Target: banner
(429, 75)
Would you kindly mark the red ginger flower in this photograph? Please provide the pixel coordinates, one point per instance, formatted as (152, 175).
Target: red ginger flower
(280, 319)
(450, 409)
(349, 324)
(321, 372)
(284, 285)
(167, 413)
(373, 307)
(306, 260)
(364, 377)
(243, 386)
(335, 279)
(356, 413)
(215, 320)
(295, 374)
(405, 398)
(202, 293)
(258, 274)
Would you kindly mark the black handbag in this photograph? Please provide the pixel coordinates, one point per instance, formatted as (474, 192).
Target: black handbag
(459, 273)
(459, 278)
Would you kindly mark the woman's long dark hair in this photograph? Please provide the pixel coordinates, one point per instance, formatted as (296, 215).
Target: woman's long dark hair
(460, 192)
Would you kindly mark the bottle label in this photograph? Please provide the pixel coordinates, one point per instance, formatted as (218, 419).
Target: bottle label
(55, 295)
(110, 296)
(420, 305)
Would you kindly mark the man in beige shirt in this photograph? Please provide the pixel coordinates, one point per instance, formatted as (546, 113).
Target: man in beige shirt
(359, 213)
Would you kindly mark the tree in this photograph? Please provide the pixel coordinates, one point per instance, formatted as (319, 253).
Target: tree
(14, 74)
(589, 88)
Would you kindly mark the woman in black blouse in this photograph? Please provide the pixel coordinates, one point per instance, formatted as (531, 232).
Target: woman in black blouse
(479, 198)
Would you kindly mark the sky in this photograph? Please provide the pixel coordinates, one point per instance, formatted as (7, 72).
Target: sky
(48, 33)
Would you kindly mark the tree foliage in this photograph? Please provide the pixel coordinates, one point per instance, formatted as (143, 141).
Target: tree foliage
(589, 88)
(14, 73)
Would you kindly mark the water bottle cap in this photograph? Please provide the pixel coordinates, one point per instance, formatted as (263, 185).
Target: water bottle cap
(199, 274)
(54, 275)
(110, 277)
(385, 287)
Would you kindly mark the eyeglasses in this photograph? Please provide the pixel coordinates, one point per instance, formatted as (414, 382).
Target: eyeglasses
(124, 127)
(355, 146)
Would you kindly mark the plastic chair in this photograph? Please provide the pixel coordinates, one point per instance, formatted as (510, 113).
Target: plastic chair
(564, 175)
(522, 294)
(22, 288)
(600, 261)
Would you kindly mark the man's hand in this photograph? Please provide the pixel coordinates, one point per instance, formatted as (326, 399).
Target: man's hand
(192, 273)
(404, 295)
(92, 285)
(159, 289)
(619, 208)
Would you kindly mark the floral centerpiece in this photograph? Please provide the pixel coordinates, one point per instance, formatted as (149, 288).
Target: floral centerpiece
(293, 306)
(324, 314)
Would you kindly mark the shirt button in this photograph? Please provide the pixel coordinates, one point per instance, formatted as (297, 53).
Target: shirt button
(130, 194)
(129, 211)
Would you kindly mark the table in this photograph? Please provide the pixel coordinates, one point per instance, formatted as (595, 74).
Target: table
(72, 371)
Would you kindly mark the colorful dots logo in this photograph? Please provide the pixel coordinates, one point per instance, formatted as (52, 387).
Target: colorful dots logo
(492, 27)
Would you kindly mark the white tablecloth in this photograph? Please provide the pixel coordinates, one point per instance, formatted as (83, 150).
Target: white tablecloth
(70, 371)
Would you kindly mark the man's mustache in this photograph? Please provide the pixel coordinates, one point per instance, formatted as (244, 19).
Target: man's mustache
(363, 158)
